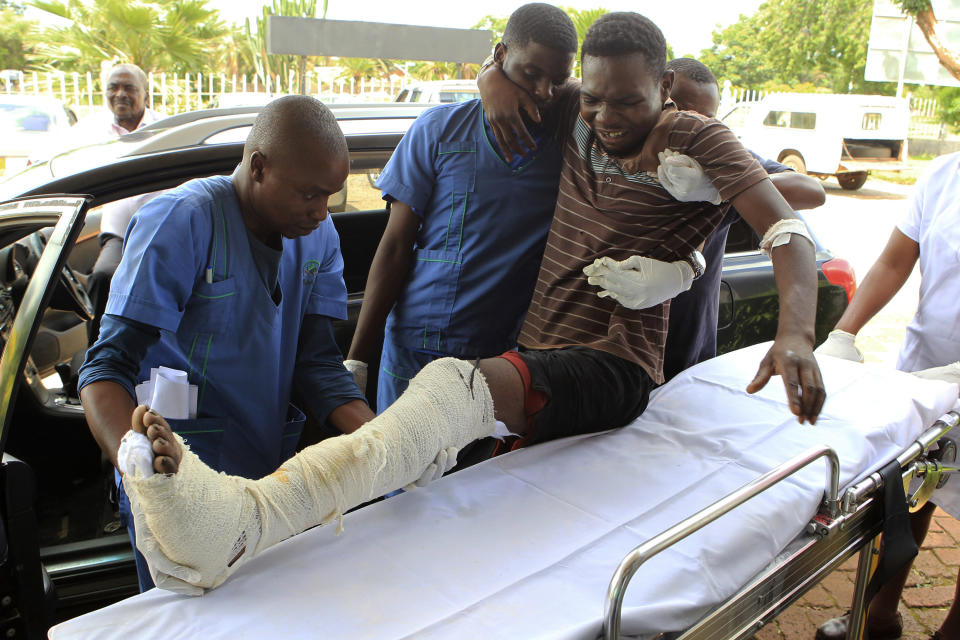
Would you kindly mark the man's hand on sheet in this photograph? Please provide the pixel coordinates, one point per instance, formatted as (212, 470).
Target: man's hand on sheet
(503, 103)
(639, 282)
(792, 359)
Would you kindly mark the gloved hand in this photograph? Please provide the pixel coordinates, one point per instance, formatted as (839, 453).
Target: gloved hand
(135, 455)
(947, 373)
(840, 344)
(165, 573)
(445, 460)
(684, 179)
(359, 371)
(639, 282)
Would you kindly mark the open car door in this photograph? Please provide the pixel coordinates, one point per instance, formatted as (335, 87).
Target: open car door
(26, 593)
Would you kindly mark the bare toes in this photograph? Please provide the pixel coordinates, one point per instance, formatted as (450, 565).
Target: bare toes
(136, 420)
(165, 464)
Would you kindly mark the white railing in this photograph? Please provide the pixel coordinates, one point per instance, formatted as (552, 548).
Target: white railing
(172, 93)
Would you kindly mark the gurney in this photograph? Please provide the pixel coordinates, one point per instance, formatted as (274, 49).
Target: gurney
(530, 544)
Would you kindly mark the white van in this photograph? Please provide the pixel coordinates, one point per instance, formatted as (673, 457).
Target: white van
(440, 91)
(826, 135)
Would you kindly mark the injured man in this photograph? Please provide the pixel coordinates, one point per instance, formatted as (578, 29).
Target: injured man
(592, 342)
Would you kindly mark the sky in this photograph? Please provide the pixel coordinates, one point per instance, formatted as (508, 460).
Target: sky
(687, 24)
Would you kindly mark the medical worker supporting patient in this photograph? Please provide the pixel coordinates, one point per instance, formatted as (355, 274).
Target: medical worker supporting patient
(593, 340)
(930, 233)
(457, 263)
(235, 280)
(694, 314)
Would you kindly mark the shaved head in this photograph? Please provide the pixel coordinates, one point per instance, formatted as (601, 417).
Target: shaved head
(294, 159)
(288, 124)
(133, 70)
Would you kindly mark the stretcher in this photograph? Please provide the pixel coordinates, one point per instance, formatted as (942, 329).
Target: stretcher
(547, 542)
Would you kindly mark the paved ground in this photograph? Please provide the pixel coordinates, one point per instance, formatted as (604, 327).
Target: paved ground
(856, 226)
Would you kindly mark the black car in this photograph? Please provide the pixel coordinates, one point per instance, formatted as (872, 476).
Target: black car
(62, 549)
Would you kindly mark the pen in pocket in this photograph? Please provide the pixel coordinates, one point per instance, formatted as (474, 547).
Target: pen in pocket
(208, 275)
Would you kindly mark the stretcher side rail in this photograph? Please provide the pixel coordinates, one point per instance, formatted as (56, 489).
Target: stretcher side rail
(920, 447)
(810, 558)
(830, 539)
(637, 557)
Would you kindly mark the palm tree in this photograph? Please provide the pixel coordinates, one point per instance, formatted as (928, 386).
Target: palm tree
(173, 35)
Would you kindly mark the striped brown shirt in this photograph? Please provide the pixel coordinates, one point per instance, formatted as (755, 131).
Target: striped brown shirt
(604, 211)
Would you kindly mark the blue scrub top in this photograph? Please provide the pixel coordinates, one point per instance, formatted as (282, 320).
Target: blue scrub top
(236, 344)
(483, 228)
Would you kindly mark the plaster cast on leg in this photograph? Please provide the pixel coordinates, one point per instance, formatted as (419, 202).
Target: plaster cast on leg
(198, 526)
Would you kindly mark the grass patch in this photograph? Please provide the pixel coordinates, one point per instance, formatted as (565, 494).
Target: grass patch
(894, 176)
(915, 166)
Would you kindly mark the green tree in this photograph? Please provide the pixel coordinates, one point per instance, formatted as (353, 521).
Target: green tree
(168, 35)
(16, 36)
(789, 42)
(494, 24)
(274, 64)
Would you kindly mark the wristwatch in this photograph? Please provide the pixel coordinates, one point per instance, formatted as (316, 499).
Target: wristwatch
(696, 262)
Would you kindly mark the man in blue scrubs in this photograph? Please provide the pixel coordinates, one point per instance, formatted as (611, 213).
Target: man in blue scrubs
(235, 280)
(458, 261)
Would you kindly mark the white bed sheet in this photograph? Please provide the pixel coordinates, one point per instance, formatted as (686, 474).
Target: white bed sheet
(524, 545)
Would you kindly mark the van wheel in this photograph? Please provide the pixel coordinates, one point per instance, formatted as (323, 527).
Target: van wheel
(795, 162)
(853, 180)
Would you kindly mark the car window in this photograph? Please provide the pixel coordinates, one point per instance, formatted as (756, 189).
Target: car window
(458, 96)
(803, 120)
(362, 193)
(737, 117)
(777, 119)
(871, 121)
(21, 117)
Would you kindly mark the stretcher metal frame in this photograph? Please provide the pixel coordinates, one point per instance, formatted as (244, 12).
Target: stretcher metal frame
(845, 525)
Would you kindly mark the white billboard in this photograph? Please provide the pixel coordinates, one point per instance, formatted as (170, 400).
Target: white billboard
(892, 34)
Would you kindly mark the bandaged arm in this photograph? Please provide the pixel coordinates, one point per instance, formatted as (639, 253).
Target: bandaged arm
(795, 271)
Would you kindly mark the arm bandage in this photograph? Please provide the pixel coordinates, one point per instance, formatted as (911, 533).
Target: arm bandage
(779, 233)
(196, 527)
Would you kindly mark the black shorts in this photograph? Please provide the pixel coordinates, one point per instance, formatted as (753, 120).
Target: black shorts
(587, 391)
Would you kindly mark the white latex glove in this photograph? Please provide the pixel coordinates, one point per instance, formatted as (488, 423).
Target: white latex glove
(359, 371)
(445, 460)
(684, 179)
(639, 282)
(947, 373)
(839, 344)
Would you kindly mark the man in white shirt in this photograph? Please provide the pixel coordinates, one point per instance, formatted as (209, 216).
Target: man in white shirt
(930, 235)
(125, 95)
